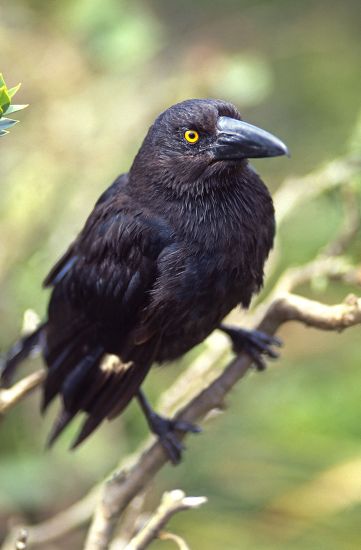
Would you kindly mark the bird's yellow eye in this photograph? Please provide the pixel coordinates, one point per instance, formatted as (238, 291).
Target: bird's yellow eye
(191, 136)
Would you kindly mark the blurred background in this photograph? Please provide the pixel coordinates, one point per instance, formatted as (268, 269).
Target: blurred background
(282, 468)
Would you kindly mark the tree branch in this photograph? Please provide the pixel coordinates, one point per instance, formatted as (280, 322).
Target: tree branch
(11, 396)
(21, 542)
(172, 502)
(132, 519)
(164, 535)
(57, 526)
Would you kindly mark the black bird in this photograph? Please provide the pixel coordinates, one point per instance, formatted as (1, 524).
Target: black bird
(168, 250)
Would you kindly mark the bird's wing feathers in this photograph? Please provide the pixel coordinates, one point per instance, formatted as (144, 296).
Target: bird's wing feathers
(60, 268)
(65, 262)
(101, 284)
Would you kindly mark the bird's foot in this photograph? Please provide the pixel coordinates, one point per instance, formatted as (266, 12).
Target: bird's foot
(166, 429)
(255, 343)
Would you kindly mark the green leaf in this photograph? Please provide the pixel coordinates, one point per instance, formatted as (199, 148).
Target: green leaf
(6, 107)
(12, 91)
(5, 99)
(6, 123)
(14, 108)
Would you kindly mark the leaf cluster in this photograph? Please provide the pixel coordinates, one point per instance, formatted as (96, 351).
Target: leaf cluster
(7, 107)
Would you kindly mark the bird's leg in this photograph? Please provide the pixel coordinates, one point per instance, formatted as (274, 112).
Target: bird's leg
(165, 429)
(253, 342)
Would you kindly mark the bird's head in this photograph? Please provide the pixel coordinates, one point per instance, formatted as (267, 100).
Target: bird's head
(200, 138)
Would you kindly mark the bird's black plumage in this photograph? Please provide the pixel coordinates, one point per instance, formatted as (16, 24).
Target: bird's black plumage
(168, 250)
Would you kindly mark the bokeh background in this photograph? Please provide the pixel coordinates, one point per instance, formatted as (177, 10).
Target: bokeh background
(282, 468)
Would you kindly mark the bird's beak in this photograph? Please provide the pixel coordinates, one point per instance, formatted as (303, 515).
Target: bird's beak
(238, 140)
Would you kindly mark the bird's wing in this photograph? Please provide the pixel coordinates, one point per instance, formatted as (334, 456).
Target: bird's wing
(102, 286)
(65, 262)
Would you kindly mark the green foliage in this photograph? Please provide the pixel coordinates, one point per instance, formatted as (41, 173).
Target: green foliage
(6, 107)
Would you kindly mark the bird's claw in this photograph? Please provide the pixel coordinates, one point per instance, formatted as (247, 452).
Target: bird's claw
(255, 343)
(166, 430)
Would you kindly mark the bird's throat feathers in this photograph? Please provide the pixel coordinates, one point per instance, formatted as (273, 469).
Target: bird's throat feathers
(223, 204)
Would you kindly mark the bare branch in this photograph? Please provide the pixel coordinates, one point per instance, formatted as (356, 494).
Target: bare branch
(57, 526)
(313, 314)
(11, 396)
(182, 545)
(172, 502)
(131, 522)
(21, 542)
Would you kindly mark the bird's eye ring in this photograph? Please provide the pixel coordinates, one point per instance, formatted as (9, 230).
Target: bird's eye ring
(191, 136)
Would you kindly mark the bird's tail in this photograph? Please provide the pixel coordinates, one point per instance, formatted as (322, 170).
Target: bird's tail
(77, 373)
(21, 350)
(98, 390)
(85, 380)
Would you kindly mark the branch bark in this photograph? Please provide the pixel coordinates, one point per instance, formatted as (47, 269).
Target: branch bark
(11, 396)
(172, 502)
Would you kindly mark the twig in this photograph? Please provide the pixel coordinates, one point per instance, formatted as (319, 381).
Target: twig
(59, 525)
(172, 502)
(21, 542)
(131, 521)
(292, 307)
(11, 396)
(182, 545)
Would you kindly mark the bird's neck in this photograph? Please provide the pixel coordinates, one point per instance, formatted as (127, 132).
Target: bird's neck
(221, 210)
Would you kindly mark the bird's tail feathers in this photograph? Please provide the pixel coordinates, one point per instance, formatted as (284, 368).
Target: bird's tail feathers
(99, 390)
(99, 386)
(64, 358)
(21, 350)
(79, 375)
